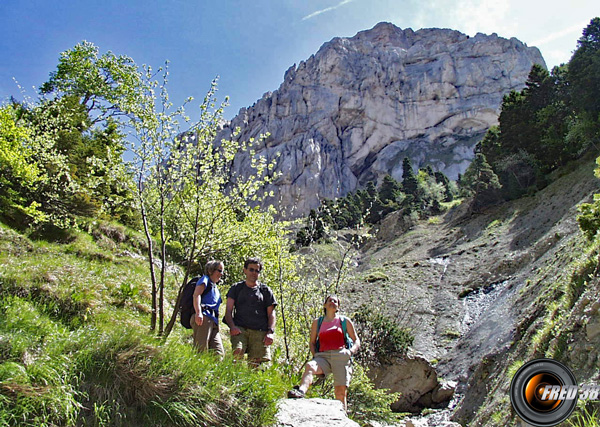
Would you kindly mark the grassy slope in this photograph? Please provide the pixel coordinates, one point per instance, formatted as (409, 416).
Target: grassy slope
(75, 347)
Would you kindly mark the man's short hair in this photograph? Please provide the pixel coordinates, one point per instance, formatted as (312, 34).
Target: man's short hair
(256, 261)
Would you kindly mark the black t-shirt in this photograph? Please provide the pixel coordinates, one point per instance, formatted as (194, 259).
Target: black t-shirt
(250, 308)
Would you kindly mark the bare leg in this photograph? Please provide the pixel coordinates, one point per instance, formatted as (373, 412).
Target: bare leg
(311, 369)
(340, 394)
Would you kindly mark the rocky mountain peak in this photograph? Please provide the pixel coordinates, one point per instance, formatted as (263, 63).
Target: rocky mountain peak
(351, 112)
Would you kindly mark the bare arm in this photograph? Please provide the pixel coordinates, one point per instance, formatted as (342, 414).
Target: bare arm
(313, 337)
(353, 335)
(271, 322)
(199, 318)
(233, 330)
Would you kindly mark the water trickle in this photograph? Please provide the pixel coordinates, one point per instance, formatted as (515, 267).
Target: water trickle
(479, 302)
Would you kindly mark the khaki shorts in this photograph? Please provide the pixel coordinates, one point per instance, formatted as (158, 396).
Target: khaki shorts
(251, 341)
(337, 362)
(206, 336)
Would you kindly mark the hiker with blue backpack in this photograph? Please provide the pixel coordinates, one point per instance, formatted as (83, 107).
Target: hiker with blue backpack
(333, 341)
(206, 300)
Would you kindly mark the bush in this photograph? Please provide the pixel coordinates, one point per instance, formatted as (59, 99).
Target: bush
(382, 339)
(589, 217)
(366, 403)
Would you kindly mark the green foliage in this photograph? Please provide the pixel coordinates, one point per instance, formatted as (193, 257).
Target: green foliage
(72, 144)
(409, 180)
(106, 85)
(366, 403)
(589, 217)
(589, 213)
(552, 121)
(481, 182)
(19, 172)
(584, 71)
(382, 338)
(314, 231)
(371, 205)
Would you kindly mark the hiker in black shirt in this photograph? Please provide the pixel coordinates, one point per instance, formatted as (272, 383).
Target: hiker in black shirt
(250, 314)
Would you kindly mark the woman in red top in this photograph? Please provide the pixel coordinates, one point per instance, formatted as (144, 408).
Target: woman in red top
(330, 355)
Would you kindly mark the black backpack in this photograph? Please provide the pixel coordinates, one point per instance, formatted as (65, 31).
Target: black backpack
(186, 305)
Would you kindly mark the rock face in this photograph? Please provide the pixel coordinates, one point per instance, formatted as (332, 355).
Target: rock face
(416, 381)
(355, 109)
(312, 413)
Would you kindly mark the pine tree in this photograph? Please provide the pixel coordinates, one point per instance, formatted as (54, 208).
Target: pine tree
(389, 190)
(409, 180)
(482, 182)
(584, 71)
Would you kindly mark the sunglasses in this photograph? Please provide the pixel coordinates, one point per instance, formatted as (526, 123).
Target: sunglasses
(253, 270)
(220, 271)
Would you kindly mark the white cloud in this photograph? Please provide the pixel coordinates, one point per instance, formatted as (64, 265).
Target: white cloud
(475, 16)
(573, 30)
(327, 9)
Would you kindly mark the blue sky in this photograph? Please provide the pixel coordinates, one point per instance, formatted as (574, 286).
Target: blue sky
(249, 44)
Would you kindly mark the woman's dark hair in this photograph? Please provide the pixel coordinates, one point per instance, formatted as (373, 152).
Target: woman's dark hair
(327, 299)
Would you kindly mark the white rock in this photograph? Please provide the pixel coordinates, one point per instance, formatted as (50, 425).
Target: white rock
(312, 413)
(353, 111)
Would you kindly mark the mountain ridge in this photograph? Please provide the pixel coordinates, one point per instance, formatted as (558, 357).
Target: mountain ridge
(353, 110)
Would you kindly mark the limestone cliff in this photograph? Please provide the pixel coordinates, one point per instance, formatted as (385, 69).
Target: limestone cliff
(353, 111)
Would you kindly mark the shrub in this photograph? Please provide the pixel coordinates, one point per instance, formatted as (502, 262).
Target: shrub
(589, 217)
(366, 403)
(382, 339)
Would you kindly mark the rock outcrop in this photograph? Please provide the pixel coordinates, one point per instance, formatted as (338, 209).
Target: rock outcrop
(353, 111)
(312, 413)
(416, 381)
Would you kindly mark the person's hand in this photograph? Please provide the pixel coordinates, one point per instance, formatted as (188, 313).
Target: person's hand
(234, 331)
(199, 319)
(268, 339)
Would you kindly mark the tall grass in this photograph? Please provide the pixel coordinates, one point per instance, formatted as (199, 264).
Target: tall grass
(75, 348)
(585, 417)
(116, 375)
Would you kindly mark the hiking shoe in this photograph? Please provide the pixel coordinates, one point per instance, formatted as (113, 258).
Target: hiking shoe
(295, 393)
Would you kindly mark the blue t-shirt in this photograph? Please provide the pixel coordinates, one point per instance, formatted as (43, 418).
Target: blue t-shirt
(211, 298)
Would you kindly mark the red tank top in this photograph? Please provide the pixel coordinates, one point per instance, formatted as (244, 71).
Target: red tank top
(331, 335)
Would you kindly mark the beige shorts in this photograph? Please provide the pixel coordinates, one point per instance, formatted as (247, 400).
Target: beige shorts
(251, 341)
(338, 363)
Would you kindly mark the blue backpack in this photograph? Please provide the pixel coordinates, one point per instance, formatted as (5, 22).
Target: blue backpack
(349, 342)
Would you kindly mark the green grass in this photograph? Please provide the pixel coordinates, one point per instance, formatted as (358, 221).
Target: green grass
(76, 349)
(114, 373)
(585, 416)
(75, 346)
